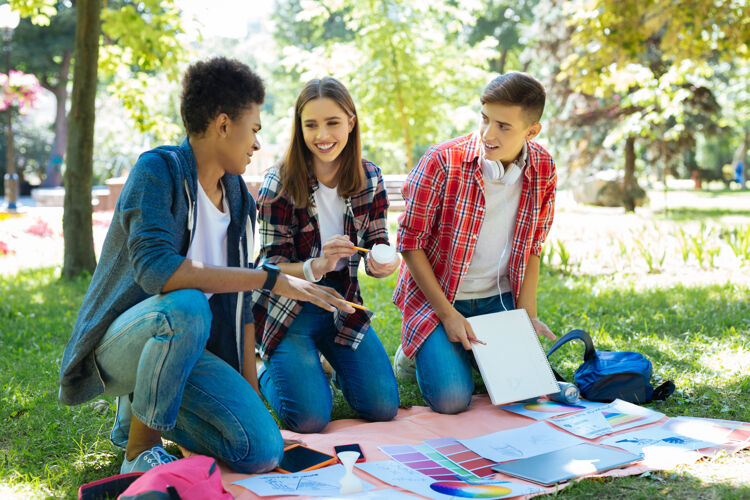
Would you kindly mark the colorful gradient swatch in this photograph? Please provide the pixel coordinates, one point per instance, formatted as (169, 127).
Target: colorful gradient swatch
(616, 419)
(465, 490)
(740, 433)
(427, 461)
(551, 407)
(459, 454)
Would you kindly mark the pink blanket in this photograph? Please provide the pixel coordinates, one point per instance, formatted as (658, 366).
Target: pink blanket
(412, 426)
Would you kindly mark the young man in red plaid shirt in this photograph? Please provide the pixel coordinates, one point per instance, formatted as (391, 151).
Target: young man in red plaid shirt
(478, 209)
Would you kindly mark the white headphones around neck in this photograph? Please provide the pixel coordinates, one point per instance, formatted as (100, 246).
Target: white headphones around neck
(507, 176)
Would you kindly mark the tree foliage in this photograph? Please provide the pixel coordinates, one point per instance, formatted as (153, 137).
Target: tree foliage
(407, 64)
(140, 38)
(140, 42)
(504, 21)
(656, 58)
(651, 71)
(47, 52)
(141, 46)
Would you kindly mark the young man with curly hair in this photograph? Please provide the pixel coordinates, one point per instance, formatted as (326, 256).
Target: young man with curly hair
(166, 323)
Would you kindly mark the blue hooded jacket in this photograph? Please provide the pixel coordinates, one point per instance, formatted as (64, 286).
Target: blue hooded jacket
(148, 239)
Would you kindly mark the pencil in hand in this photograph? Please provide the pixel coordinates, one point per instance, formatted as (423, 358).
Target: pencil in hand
(360, 249)
(357, 306)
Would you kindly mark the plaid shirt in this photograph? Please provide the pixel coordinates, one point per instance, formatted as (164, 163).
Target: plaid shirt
(445, 207)
(290, 234)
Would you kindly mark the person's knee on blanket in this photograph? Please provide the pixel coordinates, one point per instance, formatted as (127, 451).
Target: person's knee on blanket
(307, 420)
(262, 455)
(382, 408)
(450, 400)
(383, 411)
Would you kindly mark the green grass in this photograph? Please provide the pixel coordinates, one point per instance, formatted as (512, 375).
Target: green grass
(683, 214)
(687, 332)
(43, 444)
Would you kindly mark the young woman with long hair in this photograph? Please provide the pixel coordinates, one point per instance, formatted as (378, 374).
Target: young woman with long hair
(315, 207)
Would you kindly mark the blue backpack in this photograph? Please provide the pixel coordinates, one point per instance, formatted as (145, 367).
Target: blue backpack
(608, 375)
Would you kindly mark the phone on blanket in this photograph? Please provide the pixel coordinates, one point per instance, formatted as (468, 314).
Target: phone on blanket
(350, 447)
(300, 458)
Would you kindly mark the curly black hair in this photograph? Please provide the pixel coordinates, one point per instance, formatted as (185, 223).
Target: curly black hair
(214, 86)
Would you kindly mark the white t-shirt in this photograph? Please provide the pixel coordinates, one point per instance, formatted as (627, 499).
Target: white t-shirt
(488, 272)
(209, 244)
(331, 208)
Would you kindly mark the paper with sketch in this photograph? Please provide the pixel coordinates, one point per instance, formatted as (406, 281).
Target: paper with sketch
(396, 474)
(710, 429)
(320, 482)
(512, 362)
(659, 445)
(613, 417)
(521, 442)
(542, 410)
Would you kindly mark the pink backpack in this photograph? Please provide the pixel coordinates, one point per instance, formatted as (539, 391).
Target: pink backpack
(193, 478)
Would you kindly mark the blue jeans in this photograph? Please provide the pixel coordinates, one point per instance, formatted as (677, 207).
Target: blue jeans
(156, 351)
(297, 389)
(444, 368)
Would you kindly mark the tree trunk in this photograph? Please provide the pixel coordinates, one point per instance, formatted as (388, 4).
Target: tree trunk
(77, 223)
(402, 109)
(400, 98)
(53, 178)
(628, 180)
(501, 62)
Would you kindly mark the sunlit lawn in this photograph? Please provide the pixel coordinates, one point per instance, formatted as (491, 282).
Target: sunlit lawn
(697, 336)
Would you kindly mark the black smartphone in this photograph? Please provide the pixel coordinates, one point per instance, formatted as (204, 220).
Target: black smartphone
(298, 458)
(350, 447)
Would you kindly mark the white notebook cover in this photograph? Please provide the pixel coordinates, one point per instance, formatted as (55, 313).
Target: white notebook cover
(513, 364)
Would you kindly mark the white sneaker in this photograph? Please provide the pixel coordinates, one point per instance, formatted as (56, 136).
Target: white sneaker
(147, 460)
(404, 368)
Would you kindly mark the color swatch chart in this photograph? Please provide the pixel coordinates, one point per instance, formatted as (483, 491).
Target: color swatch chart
(462, 456)
(427, 461)
(740, 433)
(618, 419)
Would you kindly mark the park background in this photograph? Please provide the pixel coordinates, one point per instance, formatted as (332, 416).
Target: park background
(648, 112)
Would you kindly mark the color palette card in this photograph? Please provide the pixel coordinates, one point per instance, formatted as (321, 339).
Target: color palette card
(613, 417)
(427, 461)
(491, 489)
(459, 454)
(542, 410)
(397, 474)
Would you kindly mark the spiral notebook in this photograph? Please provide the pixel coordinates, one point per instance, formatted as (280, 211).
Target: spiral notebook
(512, 363)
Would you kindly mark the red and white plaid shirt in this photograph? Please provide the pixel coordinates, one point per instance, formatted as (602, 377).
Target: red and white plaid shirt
(445, 208)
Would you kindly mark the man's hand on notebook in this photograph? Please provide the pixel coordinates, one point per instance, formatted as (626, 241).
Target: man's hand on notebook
(542, 329)
(457, 329)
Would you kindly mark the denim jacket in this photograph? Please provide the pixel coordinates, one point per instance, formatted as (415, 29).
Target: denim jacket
(147, 241)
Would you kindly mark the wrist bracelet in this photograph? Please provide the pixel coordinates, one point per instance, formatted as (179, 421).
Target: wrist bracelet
(308, 272)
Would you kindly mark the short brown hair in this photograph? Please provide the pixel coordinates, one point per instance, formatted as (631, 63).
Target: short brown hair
(520, 89)
(294, 169)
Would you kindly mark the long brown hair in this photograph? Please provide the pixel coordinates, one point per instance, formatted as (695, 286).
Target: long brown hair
(294, 170)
